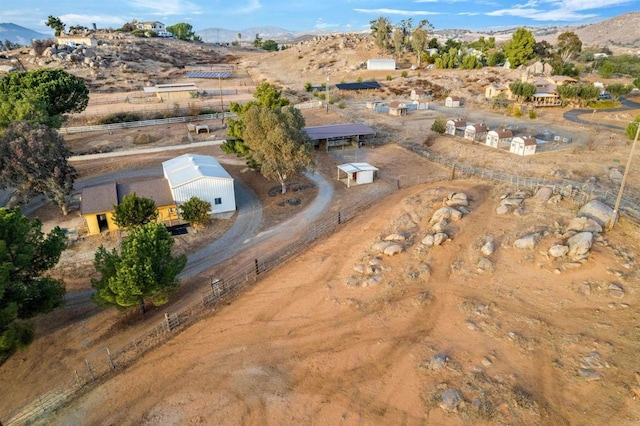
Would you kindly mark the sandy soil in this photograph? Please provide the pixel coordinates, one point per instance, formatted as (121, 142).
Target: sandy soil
(528, 341)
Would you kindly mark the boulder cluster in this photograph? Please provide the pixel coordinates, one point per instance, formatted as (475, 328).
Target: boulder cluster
(62, 53)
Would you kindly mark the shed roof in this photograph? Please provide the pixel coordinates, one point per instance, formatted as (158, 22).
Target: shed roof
(338, 131)
(503, 133)
(189, 167)
(356, 167)
(103, 198)
(99, 199)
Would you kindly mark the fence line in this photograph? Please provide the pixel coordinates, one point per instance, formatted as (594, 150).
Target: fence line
(143, 123)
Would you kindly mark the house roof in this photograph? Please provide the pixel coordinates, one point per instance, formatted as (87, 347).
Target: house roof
(99, 199)
(102, 198)
(189, 167)
(356, 167)
(397, 104)
(338, 131)
(358, 86)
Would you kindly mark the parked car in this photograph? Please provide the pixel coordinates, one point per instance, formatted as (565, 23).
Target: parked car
(604, 96)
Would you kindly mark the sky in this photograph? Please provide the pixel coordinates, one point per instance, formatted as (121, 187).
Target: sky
(329, 15)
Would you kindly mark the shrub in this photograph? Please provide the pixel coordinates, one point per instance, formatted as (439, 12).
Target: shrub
(439, 125)
(517, 112)
(359, 80)
(120, 117)
(342, 105)
(532, 114)
(308, 86)
(405, 74)
(389, 78)
(196, 211)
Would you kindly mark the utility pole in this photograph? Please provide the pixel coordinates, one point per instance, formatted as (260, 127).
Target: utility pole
(221, 99)
(624, 179)
(327, 94)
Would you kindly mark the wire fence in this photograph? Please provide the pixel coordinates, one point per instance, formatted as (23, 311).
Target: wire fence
(143, 123)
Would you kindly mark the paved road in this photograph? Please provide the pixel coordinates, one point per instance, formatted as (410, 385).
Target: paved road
(574, 113)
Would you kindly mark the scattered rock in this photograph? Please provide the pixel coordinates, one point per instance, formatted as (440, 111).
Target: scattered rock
(438, 361)
(428, 240)
(353, 282)
(580, 244)
(376, 261)
(398, 238)
(555, 199)
(450, 400)
(456, 199)
(488, 248)
(502, 209)
(544, 193)
(615, 175)
(558, 250)
(616, 290)
(440, 226)
(484, 265)
(486, 361)
(381, 246)
(598, 211)
(585, 224)
(439, 238)
(590, 374)
(527, 242)
(393, 249)
(446, 213)
(511, 202)
(374, 280)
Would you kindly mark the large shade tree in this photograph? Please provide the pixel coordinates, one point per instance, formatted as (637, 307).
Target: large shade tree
(143, 270)
(183, 31)
(41, 96)
(26, 254)
(277, 142)
(34, 159)
(134, 211)
(381, 30)
(520, 48)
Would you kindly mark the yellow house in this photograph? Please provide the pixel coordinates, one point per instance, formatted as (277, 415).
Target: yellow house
(98, 202)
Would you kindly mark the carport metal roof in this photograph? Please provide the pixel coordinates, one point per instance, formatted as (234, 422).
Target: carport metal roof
(338, 131)
(351, 168)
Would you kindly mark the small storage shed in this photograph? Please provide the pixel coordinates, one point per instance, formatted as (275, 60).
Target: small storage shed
(452, 102)
(456, 126)
(476, 132)
(381, 64)
(202, 176)
(398, 108)
(495, 137)
(171, 92)
(523, 146)
(356, 173)
(421, 104)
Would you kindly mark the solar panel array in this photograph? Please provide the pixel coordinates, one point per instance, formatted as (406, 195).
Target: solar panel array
(209, 74)
(358, 86)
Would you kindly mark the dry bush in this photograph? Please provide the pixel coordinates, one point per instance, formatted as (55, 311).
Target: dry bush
(39, 46)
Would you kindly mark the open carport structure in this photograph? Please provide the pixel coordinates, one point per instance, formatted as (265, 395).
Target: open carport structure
(339, 135)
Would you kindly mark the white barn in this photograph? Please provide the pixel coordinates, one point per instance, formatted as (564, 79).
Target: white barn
(202, 176)
(381, 64)
(523, 146)
(356, 173)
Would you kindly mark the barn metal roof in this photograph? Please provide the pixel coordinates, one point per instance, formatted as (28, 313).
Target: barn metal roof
(208, 74)
(338, 131)
(357, 167)
(358, 86)
(189, 167)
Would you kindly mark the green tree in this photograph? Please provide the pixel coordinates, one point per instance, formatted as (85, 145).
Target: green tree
(277, 142)
(522, 90)
(420, 39)
(270, 45)
(606, 70)
(496, 58)
(26, 254)
(470, 62)
(619, 89)
(580, 92)
(134, 211)
(439, 125)
(41, 96)
(183, 31)
(195, 211)
(397, 38)
(144, 269)
(632, 128)
(265, 95)
(381, 31)
(34, 159)
(56, 24)
(569, 45)
(520, 48)
(257, 42)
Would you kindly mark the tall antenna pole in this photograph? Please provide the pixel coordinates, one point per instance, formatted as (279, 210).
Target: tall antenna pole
(624, 180)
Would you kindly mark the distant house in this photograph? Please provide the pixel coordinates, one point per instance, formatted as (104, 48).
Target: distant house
(452, 102)
(523, 146)
(98, 202)
(202, 176)
(171, 92)
(456, 127)
(157, 27)
(496, 89)
(356, 173)
(495, 137)
(476, 132)
(381, 64)
(398, 108)
(546, 94)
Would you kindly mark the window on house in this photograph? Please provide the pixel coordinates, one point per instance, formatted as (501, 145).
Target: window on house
(217, 201)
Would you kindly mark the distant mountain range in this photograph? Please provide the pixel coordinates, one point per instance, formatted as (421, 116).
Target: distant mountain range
(21, 35)
(221, 35)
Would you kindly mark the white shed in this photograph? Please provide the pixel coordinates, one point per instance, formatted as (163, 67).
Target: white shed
(381, 64)
(452, 102)
(356, 173)
(202, 176)
(495, 137)
(523, 146)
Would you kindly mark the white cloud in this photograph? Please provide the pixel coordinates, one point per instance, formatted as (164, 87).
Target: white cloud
(397, 12)
(166, 7)
(557, 10)
(72, 19)
(250, 7)
(321, 25)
